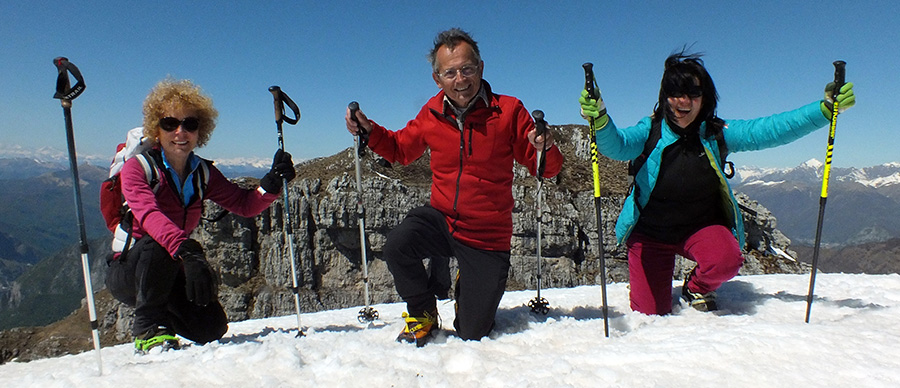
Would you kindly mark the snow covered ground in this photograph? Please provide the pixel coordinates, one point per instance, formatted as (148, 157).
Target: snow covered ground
(757, 339)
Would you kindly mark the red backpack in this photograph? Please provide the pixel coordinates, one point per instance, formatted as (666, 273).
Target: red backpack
(112, 203)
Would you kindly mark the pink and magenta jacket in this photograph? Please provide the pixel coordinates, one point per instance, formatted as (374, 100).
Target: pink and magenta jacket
(164, 216)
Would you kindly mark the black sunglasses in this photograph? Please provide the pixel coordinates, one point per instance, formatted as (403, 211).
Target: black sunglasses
(692, 91)
(169, 124)
(689, 93)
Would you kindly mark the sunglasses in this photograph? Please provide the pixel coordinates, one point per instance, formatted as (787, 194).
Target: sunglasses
(169, 124)
(693, 93)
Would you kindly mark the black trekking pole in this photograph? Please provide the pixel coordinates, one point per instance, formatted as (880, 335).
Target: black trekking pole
(595, 166)
(282, 99)
(367, 314)
(539, 304)
(839, 70)
(66, 94)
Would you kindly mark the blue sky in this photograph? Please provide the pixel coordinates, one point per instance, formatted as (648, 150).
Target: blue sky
(765, 57)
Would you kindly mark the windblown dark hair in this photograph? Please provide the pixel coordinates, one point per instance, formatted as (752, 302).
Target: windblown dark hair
(680, 71)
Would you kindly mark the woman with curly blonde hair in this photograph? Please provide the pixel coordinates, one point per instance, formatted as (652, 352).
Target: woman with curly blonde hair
(165, 275)
(171, 93)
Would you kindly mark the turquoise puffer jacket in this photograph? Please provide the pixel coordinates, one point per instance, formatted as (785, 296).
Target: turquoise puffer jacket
(740, 135)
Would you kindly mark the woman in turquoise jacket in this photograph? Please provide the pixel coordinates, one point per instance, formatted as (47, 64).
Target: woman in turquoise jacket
(681, 202)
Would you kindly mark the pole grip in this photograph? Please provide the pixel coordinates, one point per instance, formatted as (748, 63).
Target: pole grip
(540, 125)
(840, 69)
(361, 135)
(589, 80)
(354, 107)
(63, 90)
(540, 128)
(282, 99)
(279, 107)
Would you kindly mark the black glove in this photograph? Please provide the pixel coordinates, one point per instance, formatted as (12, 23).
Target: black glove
(282, 169)
(198, 277)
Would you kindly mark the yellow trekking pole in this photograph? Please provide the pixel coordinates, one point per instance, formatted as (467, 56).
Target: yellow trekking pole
(839, 70)
(595, 165)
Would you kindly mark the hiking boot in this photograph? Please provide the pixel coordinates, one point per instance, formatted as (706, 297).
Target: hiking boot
(419, 330)
(158, 336)
(701, 302)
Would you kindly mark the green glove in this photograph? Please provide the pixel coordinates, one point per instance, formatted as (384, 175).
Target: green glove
(593, 109)
(846, 99)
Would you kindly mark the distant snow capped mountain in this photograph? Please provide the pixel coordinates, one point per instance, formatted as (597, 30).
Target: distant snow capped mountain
(883, 175)
(863, 204)
(243, 167)
(20, 163)
(247, 162)
(49, 156)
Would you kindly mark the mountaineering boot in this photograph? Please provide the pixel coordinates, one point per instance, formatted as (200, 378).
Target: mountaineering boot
(419, 330)
(701, 302)
(154, 337)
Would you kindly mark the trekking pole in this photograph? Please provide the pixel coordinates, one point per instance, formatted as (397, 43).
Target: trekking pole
(595, 166)
(66, 94)
(367, 314)
(539, 304)
(280, 100)
(839, 70)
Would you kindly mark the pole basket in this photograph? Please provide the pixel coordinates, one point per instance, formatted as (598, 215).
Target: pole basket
(367, 314)
(539, 305)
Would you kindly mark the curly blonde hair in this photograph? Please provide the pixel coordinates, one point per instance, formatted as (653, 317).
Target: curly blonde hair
(171, 94)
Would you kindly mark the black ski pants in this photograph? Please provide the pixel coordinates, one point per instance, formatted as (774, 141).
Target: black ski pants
(480, 282)
(148, 279)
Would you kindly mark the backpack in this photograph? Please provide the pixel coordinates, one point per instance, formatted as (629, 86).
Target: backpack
(113, 206)
(112, 203)
(655, 134)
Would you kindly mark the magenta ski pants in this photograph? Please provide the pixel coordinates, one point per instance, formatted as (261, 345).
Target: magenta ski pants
(651, 265)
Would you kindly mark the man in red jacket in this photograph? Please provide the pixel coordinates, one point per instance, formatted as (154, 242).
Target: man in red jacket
(474, 136)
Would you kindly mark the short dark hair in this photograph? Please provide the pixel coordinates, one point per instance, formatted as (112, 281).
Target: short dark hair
(451, 38)
(681, 69)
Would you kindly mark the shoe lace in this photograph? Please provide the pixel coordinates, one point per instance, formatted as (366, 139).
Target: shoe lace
(414, 324)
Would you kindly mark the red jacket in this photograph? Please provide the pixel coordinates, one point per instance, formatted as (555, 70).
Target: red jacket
(166, 219)
(472, 168)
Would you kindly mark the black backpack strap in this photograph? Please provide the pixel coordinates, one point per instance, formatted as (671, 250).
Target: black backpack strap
(635, 165)
(655, 134)
(727, 166)
(201, 178)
